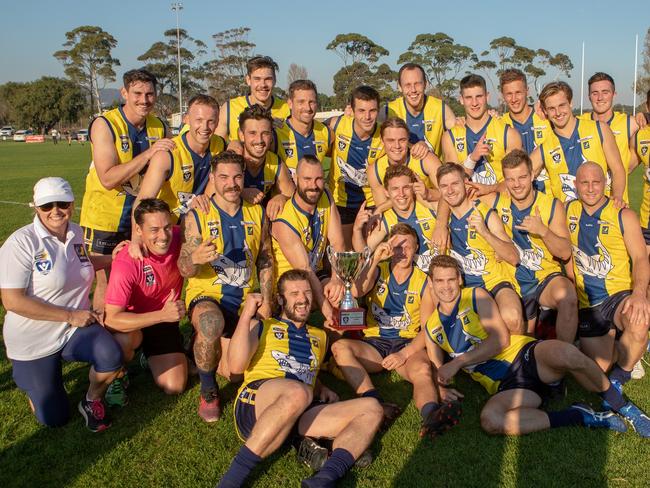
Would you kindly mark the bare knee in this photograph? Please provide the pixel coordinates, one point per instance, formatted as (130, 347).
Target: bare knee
(373, 411)
(171, 387)
(208, 322)
(513, 319)
(565, 296)
(339, 348)
(420, 369)
(297, 397)
(492, 421)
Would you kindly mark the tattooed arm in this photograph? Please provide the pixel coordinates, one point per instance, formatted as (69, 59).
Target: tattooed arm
(265, 272)
(194, 251)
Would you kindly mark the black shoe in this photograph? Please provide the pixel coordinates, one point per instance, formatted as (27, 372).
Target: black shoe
(391, 412)
(311, 453)
(94, 413)
(441, 419)
(364, 460)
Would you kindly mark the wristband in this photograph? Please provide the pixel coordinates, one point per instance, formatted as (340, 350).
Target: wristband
(469, 163)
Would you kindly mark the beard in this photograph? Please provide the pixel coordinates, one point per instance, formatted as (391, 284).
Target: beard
(310, 197)
(293, 316)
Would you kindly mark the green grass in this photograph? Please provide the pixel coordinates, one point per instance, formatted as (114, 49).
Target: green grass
(160, 441)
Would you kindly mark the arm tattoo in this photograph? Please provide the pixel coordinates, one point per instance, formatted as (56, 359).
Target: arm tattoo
(191, 240)
(265, 267)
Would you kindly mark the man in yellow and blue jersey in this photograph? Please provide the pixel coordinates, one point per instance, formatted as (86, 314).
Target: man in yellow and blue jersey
(426, 116)
(280, 358)
(260, 78)
(483, 141)
(612, 273)
(573, 142)
(177, 177)
(602, 91)
(226, 254)
(478, 241)
(394, 136)
(398, 184)
(266, 179)
(396, 296)
(123, 141)
(516, 370)
(522, 117)
(536, 223)
(300, 134)
(302, 231)
(640, 154)
(357, 143)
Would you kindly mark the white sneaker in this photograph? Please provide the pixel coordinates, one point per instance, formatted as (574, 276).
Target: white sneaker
(638, 371)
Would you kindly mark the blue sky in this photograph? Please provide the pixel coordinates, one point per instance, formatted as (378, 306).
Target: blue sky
(289, 31)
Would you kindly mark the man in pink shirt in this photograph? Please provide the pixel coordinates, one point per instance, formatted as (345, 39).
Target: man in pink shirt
(143, 305)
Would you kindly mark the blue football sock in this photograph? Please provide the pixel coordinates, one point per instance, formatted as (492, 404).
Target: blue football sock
(620, 374)
(565, 418)
(240, 468)
(613, 397)
(427, 408)
(208, 380)
(336, 465)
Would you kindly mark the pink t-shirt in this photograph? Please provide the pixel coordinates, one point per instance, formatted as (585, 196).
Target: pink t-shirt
(143, 286)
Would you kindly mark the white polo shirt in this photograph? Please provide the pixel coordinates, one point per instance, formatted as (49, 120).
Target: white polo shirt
(50, 271)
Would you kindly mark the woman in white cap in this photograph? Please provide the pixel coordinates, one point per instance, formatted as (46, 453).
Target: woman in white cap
(45, 279)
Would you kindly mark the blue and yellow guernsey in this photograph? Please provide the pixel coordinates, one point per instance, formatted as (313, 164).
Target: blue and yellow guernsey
(533, 132)
(235, 106)
(310, 228)
(267, 177)
(394, 308)
(423, 220)
(488, 169)
(292, 146)
(416, 165)
(188, 174)
(477, 259)
(110, 210)
(601, 263)
(536, 261)
(563, 156)
(462, 331)
(238, 239)
(348, 179)
(428, 126)
(642, 146)
(621, 125)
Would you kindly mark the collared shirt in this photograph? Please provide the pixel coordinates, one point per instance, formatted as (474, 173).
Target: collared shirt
(51, 271)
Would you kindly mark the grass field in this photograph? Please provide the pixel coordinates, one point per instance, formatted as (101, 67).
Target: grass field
(160, 441)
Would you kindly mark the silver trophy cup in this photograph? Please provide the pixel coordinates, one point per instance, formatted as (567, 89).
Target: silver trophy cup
(348, 266)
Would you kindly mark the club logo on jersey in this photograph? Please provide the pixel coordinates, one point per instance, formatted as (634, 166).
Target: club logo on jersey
(184, 201)
(599, 265)
(572, 226)
(213, 227)
(289, 364)
(385, 321)
(428, 125)
(278, 332)
(149, 278)
(187, 173)
(80, 249)
(539, 134)
(381, 288)
(350, 174)
(229, 272)
(342, 145)
(486, 176)
(460, 146)
(465, 320)
(43, 263)
(410, 299)
(568, 182)
(125, 143)
(585, 145)
(474, 263)
(644, 150)
(423, 261)
(372, 154)
(604, 229)
(531, 258)
(505, 218)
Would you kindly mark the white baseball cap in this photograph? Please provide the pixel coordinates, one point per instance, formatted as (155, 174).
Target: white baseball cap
(52, 189)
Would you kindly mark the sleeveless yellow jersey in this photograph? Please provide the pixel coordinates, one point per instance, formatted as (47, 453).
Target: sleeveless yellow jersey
(110, 210)
(536, 261)
(287, 351)
(266, 179)
(238, 238)
(188, 174)
(292, 146)
(533, 132)
(563, 156)
(488, 169)
(348, 179)
(462, 331)
(620, 123)
(601, 264)
(235, 106)
(310, 228)
(428, 126)
(476, 257)
(394, 308)
(423, 220)
(416, 165)
(642, 145)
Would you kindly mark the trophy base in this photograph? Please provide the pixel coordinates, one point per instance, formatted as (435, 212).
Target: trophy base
(350, 319)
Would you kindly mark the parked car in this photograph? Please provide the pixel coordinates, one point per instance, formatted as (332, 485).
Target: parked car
(82, 135)
(7, 131)
(19, 135)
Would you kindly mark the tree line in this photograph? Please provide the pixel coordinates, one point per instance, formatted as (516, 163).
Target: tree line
(89, 66)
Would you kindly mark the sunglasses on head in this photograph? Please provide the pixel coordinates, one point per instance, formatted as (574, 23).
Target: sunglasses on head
(46, 207)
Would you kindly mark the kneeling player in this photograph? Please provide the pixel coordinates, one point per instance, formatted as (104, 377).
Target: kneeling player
(516, 370)
(280, 358)
(396, 293)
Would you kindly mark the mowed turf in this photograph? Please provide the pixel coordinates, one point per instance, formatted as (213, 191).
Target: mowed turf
(159, 441)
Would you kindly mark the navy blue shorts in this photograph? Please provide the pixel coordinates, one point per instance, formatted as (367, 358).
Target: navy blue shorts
(531, 301)
(646, 235)
(523, 373)
(42, 379)
(500, 286)
(348, 215)
(599, 320)
(385, 346)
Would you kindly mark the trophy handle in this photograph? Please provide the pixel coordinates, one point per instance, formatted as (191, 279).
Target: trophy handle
(367, 255)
